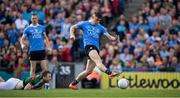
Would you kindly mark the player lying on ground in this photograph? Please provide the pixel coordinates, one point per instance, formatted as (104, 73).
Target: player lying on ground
(34, 82)
(91, 32)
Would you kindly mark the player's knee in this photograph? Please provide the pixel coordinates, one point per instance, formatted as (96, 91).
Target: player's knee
(97, 61)
(88, 72)
(99, 64)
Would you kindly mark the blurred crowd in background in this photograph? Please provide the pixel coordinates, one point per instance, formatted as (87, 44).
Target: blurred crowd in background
(148, 40)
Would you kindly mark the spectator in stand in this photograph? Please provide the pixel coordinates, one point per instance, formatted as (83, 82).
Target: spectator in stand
(58, 21)
(106, 12)
(115, 66)
(134, 25)
(125, 56)
(152, 19)
(158, 61)
(20, 67)
(165, 19)
(21, 23)
(154, 30)
(65, 28)
(12, 34)
(41, 14)
(121, 29)
(174, 62)
(2, 38)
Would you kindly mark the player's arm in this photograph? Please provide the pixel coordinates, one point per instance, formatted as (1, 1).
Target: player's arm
(110, 36)
(74, 28)
(22, 41)
(35, 86)
(46, 40)
(23, 38)
(28, 86)
(72, 32)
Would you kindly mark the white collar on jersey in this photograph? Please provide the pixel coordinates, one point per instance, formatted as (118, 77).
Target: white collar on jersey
(34, 25)
(90, 21)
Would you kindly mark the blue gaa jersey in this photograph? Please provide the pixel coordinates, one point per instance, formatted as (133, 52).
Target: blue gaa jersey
(91, 32)
(35, 35)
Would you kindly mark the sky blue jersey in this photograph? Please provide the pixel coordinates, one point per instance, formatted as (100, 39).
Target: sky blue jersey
(35, 35)
(91, 32)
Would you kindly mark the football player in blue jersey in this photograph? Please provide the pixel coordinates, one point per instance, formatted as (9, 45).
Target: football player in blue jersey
(35, 33)
(92, 30)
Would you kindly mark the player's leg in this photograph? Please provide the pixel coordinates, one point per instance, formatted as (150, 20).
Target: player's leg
(93, 54)
(44, 65)
(19, 85)
(10, 84)
(42, 58)
(3, 86)
(89, 68)
(32, 68)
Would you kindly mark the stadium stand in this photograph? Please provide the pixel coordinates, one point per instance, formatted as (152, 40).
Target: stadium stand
(148, 40)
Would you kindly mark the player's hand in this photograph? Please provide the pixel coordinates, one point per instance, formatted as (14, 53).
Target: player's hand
(49, 50)
(72, 37)
(22, 46)
(113, 38)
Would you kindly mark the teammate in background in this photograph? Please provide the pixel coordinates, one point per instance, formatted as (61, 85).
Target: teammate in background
(91, 33)
(37, 39)
(34, 82)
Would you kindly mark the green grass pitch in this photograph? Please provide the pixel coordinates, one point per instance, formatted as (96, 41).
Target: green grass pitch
(91, 93)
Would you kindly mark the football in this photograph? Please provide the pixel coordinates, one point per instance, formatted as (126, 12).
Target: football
(123, 83)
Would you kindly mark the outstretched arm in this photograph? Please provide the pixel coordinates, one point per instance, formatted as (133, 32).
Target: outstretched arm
(72, 31)
(28, 86)
(35, 86)
(110, 36)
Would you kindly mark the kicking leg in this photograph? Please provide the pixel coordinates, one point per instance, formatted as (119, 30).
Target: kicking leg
(93, 54)
(89, 68)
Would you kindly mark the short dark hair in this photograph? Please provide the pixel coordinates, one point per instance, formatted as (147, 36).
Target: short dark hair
(44, 73)
(97, 14)
(34, 14)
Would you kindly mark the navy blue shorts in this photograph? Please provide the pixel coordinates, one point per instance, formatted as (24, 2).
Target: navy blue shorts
(88, 48)
(38, 55)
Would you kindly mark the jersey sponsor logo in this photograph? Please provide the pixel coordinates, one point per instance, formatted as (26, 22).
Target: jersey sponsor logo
(36, 33)
(93, 31)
